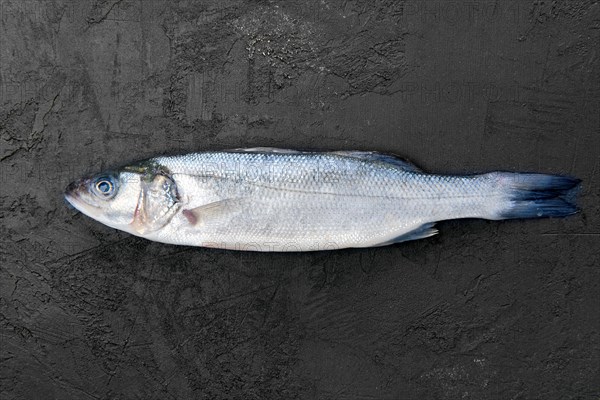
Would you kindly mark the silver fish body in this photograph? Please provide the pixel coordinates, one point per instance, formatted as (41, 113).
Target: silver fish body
(282, 200)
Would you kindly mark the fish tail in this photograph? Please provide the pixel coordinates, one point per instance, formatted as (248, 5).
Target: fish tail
(532, 195)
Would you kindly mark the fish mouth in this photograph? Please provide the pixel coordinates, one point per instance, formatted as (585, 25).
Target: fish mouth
(70, 201)
(73, 196)
(72, 192)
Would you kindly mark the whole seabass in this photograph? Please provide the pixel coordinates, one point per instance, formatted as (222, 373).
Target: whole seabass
(266, 199)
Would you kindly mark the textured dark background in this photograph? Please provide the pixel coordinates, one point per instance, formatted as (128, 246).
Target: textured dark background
(485, 310)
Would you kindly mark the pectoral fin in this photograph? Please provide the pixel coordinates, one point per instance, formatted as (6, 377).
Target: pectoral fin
(201, 215)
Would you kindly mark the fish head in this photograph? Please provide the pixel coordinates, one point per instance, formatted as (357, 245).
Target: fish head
(109, 197)
(137, 199)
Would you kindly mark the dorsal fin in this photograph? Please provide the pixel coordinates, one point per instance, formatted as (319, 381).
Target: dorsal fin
(265, 150)
(372, 156)
(380, 157)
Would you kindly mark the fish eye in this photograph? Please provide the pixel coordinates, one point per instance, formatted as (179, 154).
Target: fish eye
(104, 187)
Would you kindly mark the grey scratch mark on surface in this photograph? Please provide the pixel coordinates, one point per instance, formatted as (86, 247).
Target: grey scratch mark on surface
(230, 349)
(49, 373)
(571, 234)
(91, 20)
(76, 256)
(241, 323)
(437, 262)
(269, 306)
(40, 130)
(238, 295)
(15, 287)
(133, 325)
(574, 159)
(11, 153)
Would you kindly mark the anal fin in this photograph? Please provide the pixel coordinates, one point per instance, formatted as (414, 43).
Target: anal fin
(422, 232)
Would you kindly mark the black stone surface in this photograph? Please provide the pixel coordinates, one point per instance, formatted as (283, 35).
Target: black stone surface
(485, 310)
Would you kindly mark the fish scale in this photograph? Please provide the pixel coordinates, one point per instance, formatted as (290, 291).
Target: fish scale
(283, 200)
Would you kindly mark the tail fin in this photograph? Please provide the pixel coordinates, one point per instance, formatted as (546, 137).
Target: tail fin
(538, 195)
